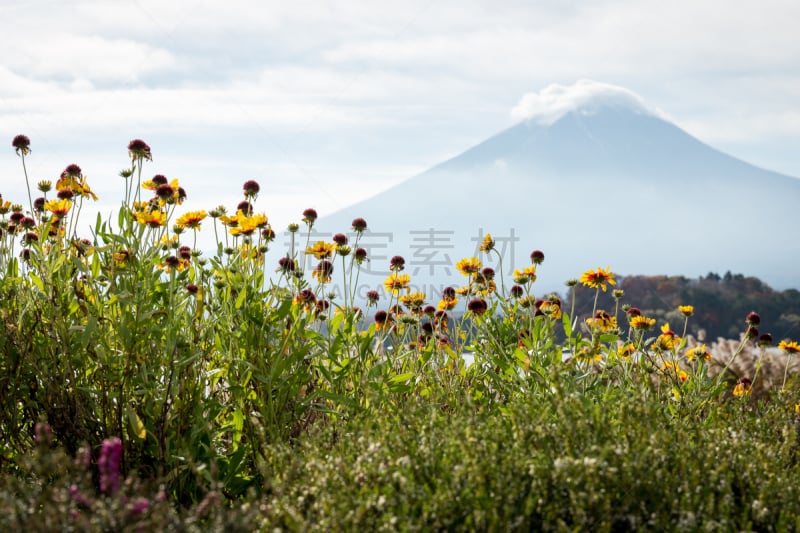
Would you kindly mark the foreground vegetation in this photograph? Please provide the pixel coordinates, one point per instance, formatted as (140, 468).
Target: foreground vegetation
(595, 459)
(145, 384)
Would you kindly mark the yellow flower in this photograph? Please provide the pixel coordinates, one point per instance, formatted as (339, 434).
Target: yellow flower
(348, 311)
(526, 275)
(144, 206)
(174, 263)
(56, 228)
(789, 346)
(247, 225)
(397, 282)
(84, 191)
(191, 219)
(447, 304)
(488, 243)
(78, 186)
(700, 352)
(154, 219)
(231, 221)
(171, 193)
(484, 288)
(598, 279)
(58, 207)
(305, 299)
(675, 368)
(250, 252)
(169, 241)
(382, 320)
(588, 355)
(5, 206)
(413, 301)
(626, 350)
(469, 266)
(551, 309)
(642, 322)
(322, 249)
(602, 321)
(323, 271)
(743, 387)
(686, 310)
(667, 340)
(121, 258)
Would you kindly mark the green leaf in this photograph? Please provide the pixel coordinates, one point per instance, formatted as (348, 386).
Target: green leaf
(336, 321)
(565, 319)
(401, 383)
(237, 423)
(88, 331)
(401, 378)
(240, 299)
(136, 425)
(520, 355)
(37, 281)
(608, 337)
(95, 265)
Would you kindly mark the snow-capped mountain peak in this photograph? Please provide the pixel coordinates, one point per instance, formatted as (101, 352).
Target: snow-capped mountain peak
(585, 97)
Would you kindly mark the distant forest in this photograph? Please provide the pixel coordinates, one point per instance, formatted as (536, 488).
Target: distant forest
(720, 304)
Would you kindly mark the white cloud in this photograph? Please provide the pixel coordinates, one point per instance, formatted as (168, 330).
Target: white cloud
(554, 101)
(13, 85)
(354, 84)
(66, 56)
(283, 99)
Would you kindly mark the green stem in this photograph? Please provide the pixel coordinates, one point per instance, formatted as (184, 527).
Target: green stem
(27, 183)
(347, 300)
(786, 372)
(502, 277)
(594, 310)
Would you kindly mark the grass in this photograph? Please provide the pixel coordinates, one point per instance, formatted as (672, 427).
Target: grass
(147, 385)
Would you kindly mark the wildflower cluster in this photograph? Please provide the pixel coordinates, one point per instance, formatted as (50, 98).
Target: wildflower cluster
(166, 357)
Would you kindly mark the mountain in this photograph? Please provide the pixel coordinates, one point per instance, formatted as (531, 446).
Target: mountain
(603, 182)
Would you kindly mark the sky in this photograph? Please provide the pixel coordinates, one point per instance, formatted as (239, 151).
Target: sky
(327, 103)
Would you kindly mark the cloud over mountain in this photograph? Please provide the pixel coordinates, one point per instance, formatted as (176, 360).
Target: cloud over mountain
(554, 101)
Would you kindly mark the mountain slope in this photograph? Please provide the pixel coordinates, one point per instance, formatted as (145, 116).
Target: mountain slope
(602, 184)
